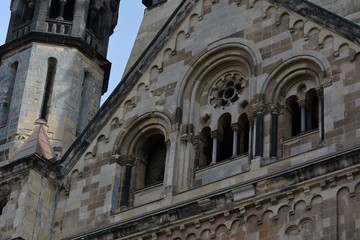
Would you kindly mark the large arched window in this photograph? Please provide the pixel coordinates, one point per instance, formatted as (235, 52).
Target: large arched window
(293, 115)
(303, 114)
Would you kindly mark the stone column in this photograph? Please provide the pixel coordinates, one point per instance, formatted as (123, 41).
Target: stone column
(302, 105)
(215, 136)
(320, 93)
(259, 108)
(235, 127)
(61, 9)
(127, 161)
(275, 111)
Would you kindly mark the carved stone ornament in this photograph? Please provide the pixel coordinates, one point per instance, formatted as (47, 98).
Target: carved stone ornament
(226, 90)
(276, 108)
(259, 107)
(124, 160)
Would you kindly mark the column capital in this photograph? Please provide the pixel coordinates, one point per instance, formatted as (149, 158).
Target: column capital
(302, 103)
(215, 134)
(320, 91)
(276, 108)
(235, 127)
(191, 138)
(259, 107)
(326, 83)
(126, 160)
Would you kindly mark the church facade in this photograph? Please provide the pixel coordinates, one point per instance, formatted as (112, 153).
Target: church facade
(235, 119)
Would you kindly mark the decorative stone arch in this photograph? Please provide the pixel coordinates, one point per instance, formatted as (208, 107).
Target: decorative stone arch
(135, 129)
(309, 64)
(224, 53)
(303, 229)
(294, 89)
(217, 82)
(143, 153)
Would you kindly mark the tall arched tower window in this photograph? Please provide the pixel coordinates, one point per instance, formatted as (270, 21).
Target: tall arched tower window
(95, 20)
(51, 71)
(25, 11)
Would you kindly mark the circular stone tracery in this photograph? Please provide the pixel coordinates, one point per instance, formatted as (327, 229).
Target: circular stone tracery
(226, 90)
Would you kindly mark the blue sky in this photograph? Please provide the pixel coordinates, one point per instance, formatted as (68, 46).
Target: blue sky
(121, 42)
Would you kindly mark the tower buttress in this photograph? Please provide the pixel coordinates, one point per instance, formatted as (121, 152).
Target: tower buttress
(53, 67)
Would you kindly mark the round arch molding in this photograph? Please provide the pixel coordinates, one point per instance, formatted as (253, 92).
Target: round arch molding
(225, 57)
(308, 66)
(149, 123)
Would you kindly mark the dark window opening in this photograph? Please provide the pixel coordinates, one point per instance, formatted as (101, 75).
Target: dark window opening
(225, 137)
(62, 11)
(312, 110)
(48, 88)
(295, 112)
(69, 10)
(154, 152)
(54, 9)
(3, 203)
(206, 148)
(25, 12)
(243, 135)
(95, 20)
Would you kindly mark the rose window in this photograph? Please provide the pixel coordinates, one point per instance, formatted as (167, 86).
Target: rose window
(227, 90)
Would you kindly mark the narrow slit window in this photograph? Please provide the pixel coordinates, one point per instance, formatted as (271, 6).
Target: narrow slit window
(52, 62)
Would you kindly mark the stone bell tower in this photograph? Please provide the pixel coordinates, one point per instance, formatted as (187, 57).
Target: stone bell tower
(54, 68)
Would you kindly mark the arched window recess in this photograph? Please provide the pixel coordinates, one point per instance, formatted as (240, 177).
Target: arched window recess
(142, 156)
(24, 12)
(144, 167)
(303, 112)
(229, 140)
(95, 21)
